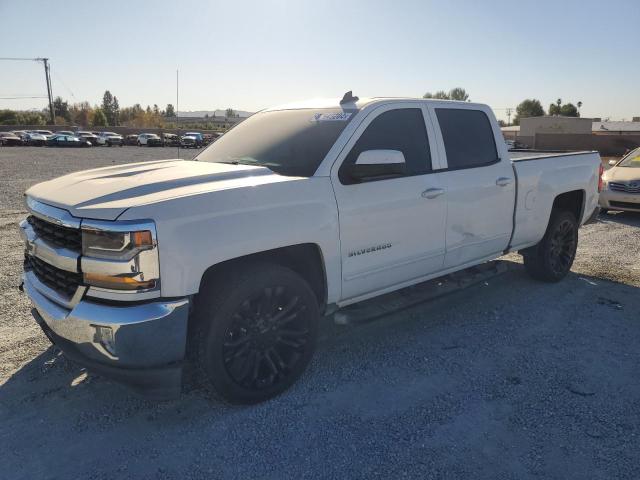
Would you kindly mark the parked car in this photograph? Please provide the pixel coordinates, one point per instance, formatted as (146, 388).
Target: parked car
(46, 133)
(10, 139)
(131, 139)
(511, 144)
(35, 139)
(65, 132)
(171, 140)
(89, 136)
(192, 140)
(270, 228)
(143, 138)
(22, 134)
(70, 141)
(621, 184)
(110, 139)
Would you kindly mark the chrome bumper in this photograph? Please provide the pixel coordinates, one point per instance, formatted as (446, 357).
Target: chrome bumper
(141, 345)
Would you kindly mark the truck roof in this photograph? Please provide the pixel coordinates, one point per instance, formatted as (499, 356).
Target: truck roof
(359, 104)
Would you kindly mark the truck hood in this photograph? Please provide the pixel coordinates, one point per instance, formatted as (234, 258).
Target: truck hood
(105, 193)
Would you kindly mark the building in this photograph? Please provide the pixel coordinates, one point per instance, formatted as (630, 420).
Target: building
(571, 133)
(616, 128)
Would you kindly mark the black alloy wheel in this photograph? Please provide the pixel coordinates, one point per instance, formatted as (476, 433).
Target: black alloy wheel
(551, 259)
(562, 247)
(266, 339)
(256, 331)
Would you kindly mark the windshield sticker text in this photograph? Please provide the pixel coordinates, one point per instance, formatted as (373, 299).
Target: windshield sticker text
(331, 117)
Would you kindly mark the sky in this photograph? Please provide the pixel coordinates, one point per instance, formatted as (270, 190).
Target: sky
(249, 55)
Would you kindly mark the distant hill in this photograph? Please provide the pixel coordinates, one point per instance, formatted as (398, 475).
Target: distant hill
(211, 113)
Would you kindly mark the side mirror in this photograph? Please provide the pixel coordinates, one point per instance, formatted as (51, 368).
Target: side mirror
(378, 163)
(613, 162)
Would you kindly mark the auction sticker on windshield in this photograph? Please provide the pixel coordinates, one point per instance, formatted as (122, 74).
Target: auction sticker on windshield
(331, 117)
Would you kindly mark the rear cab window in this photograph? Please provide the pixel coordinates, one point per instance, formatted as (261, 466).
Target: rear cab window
(468, 138)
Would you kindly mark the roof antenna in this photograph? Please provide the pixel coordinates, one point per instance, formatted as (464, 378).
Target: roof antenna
(348, 98)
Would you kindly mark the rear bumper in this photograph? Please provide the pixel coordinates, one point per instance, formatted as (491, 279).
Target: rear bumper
(141, 345)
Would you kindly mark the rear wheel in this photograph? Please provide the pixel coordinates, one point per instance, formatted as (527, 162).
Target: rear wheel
(256, 332)
(551, 259)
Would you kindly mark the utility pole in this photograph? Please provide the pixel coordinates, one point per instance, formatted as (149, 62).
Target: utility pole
(508, 116)
(47, 75)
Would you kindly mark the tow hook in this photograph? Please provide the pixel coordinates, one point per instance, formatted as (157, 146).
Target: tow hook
(21, 286)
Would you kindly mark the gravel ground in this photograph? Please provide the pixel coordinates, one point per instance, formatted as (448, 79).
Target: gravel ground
(508, 379)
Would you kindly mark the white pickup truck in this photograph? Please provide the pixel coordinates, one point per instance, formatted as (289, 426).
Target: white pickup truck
(231, 259)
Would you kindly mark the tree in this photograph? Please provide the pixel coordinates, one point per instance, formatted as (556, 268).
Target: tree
(230, 113)
(156, 110)
(170, 112)
(99, 118)
(502, 123)
(569, 110)
(458, 94)
(579, 107)
(530, 107)
(115, 112)
(61, 109)
(110, 107)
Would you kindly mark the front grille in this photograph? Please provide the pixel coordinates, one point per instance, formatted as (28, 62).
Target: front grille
(623, 187)
(60, 280)
(634, 206)
(57, 235)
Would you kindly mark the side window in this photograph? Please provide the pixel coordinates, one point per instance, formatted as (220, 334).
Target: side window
(468, 137)
(401, 129)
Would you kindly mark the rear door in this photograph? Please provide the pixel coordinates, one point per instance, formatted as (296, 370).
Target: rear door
(480, 185)
(391, 231)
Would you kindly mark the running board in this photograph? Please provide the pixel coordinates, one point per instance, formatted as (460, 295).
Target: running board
(405, 298)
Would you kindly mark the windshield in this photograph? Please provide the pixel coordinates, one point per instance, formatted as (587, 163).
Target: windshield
(289, 142)
(632, 159)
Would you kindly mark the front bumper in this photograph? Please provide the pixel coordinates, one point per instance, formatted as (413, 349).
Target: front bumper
(612, 200)
(141, 345)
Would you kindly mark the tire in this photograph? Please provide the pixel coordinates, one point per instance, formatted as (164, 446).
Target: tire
(551, 259)
(243, 355)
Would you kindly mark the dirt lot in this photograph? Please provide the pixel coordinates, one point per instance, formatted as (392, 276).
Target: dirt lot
(510, 379)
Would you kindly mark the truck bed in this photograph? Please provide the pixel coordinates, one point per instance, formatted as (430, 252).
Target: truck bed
(522, 155)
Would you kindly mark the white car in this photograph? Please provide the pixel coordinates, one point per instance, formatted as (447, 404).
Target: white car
(621, 189)
(110, 139)
(296, 212)
(144, 138)
(35, 139)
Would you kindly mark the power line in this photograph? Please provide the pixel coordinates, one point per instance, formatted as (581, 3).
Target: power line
(22, 97)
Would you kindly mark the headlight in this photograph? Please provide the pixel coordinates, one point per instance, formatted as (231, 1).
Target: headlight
(119, 259)
(116, 245)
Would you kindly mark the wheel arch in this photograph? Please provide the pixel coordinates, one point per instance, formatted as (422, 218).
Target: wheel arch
(572, 201)
(306, 259)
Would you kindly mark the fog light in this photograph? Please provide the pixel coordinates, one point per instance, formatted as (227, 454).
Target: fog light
(104, 336)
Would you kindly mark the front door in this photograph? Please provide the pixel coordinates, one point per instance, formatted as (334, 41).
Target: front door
(391, 229)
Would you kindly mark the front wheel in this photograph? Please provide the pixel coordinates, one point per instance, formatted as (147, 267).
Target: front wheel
(551, 259)
(256, 332)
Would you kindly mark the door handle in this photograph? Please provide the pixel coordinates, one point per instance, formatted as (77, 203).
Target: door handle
(503, 181)
(432, 193)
